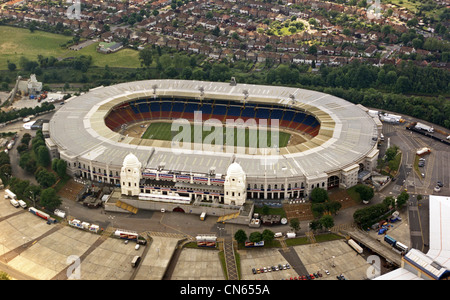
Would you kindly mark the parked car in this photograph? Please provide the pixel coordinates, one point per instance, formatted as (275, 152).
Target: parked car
(440, 184)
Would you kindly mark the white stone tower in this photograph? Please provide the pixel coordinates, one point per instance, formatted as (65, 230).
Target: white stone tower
(130, 175)
(235, 192)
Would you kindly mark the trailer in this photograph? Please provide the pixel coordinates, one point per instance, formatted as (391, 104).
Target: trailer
(126, 234)
(42, 215)
(391, 241)
(9, 194)
(402, 247)
(425, 127)
(206, 240)
(355, 246)
(423, 151)
(390, 118)
(249, 244)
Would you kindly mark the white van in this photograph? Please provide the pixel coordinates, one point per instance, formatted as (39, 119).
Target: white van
(14, 203)
(22, 203)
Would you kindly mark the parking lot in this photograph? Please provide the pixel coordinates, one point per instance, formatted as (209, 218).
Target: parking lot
(41, 251)
(336, 257)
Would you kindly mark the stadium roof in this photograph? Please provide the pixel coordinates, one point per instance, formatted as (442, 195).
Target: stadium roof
(347, 133)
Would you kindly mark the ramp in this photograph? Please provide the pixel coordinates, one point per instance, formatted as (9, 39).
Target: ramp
(227, 217)
(127, 207)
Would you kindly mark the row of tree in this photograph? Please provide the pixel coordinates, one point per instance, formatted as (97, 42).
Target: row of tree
(406, 78)
(26, 111)
(35, 159)
(366, 217)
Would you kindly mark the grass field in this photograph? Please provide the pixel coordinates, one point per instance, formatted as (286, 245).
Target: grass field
(17, 42)
(163, 131)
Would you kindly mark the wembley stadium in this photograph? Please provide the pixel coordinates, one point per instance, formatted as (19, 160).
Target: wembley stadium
(330, 142)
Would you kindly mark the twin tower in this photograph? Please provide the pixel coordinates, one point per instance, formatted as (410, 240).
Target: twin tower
(235, 191)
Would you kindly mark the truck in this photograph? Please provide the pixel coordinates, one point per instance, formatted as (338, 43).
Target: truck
(249, 244)
(391, 241)
(425, 127)
(42, 215)
(126, 234)
(135, 261)
(423, 151)
(14, 203)
(9, 194)
(22, 203)
(203, 216)
(10, 144)
(390, 118)
(355, 246)
(206, 240)
(290, 235)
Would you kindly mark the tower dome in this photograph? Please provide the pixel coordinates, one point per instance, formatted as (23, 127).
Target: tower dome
(235, 169)
(131, 161)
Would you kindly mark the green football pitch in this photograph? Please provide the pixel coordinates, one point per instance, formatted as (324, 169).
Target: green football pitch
(163, 131)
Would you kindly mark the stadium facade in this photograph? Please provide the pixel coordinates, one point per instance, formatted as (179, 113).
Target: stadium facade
(341, 142)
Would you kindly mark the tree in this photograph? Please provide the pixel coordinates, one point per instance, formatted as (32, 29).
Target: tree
(402, 84)
(146, 57)
(43, 156)
(61, 167)
(49, 199)
(319, 195)
(315, 225)
(268, 236)
(365, 192)
(402, 199)
(32, 191)
(391, 152)
(312, 50)
(45, 178)
(327, 221)
(27, 162)
(12, 66)
(240, 236)
(295, 224)
(255, 237)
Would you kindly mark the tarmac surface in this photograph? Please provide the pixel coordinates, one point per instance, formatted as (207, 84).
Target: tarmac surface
(32, 249)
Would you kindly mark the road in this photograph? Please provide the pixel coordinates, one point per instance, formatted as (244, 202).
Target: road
(436, 168)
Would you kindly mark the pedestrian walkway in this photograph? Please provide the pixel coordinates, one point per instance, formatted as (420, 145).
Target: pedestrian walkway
(230, 260)
(310, 236)
(283, 244)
